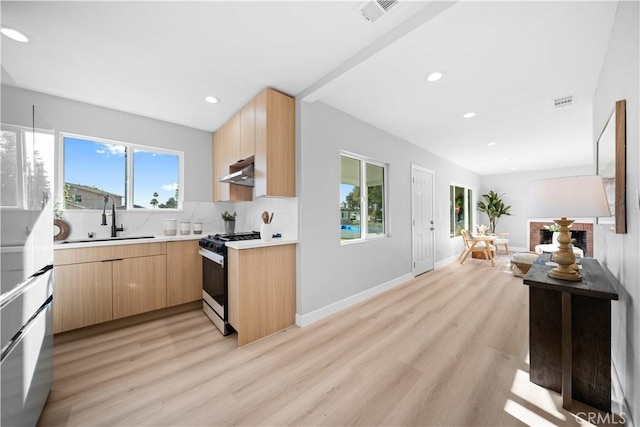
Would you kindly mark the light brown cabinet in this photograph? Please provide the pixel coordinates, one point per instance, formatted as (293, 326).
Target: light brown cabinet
(82, 295)
(98, 284)
(248, 130)
(226, 154)
(275, 158)
(184, 272)
(139, 285)
(262, 291)
(264, 130)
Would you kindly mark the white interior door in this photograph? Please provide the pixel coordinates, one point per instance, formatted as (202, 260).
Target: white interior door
(422, 220)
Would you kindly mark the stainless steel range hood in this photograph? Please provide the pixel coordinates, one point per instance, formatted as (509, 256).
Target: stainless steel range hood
(243, 176)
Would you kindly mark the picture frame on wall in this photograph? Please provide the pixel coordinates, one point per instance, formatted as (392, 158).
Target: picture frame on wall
(611, 166)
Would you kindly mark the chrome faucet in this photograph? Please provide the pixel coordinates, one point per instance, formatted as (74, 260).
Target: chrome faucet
(114, 229)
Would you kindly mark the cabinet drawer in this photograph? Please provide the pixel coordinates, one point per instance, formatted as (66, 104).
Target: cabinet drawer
(78, 256)
(105, 253)
(144, 249)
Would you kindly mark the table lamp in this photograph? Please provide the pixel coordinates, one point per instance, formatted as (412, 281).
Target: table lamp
(575, 197)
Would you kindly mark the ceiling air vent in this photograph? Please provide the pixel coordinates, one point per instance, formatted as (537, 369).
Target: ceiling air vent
(563, 102)
(374, 9)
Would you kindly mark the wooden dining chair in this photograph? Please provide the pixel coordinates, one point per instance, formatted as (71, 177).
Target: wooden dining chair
(502, 239)
(479, 244)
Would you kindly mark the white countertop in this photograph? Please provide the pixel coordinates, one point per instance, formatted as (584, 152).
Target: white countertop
(123, 240)
(250, 244)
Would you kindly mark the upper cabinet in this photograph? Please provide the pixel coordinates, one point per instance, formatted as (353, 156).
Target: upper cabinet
(248, 130)
(264, 130)
(226, 151)
(275, 158)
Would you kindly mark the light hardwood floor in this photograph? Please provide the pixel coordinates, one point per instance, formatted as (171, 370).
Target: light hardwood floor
(448, 348)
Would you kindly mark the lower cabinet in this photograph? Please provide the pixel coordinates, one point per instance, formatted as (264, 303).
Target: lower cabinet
(82, 295)
(184, 272)
(102, 283)
(139, 285)
(262, 290)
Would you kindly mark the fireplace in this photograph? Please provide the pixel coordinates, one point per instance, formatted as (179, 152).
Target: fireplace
(581, 236)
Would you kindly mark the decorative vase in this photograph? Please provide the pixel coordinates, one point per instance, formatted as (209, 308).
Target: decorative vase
(554, 238)
(229, 227)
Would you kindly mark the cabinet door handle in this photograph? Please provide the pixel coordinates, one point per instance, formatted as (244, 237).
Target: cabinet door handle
(109, 260)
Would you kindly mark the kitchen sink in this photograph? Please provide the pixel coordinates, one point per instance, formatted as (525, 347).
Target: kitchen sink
(108, 239)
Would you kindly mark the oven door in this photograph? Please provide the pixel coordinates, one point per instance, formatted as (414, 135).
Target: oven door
(214, 287)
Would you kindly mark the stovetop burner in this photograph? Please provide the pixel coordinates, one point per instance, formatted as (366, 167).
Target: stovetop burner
(216, 242)
(249, 235)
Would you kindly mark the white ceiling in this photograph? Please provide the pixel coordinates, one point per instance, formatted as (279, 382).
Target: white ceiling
(506, 61)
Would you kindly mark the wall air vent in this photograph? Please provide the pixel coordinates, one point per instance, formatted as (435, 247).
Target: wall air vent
(374, 9)
(563, 102)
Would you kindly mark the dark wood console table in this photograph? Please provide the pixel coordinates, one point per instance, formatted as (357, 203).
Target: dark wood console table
(570, 334)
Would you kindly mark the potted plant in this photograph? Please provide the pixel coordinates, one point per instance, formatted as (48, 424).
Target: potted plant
(229, 222)
(494, 207)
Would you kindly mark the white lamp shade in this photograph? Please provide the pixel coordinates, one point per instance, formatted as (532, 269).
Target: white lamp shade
(568, 197)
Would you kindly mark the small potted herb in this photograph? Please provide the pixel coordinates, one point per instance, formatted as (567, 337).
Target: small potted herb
(229, 222)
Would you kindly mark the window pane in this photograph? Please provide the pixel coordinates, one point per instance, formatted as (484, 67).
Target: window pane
(155, 180)
(9, 168)
(349, 198)
(38, 152)
(375, 198)
(91, 170)
(459, 210)
(452, 213)
(470, 209)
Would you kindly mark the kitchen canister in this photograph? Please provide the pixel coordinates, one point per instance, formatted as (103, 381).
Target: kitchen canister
(170, 227)
(266, 233)
(185, 228)
(197, 228)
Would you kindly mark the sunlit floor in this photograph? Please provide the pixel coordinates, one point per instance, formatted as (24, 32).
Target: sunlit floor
(448, 348)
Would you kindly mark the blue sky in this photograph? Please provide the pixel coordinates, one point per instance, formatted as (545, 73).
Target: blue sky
(345, 189)
(104, 166)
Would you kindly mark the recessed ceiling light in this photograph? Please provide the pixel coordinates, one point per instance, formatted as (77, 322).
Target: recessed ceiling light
(211, 99)
(434, 76)
(469, 115)
(14, 34)
(491, 143)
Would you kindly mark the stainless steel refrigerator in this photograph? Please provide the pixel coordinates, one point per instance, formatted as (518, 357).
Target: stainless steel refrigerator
(26, 244)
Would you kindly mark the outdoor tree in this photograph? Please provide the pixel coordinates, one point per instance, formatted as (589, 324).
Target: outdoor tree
(353, 199)
(154, 202)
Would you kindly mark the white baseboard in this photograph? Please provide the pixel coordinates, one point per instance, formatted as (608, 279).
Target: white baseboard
(446, 261)
(618, 401)
(303, 320)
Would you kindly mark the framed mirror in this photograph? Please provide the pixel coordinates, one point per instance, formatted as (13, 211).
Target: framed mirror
(611, 166)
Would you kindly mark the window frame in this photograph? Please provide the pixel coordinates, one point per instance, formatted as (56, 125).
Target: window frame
(22, 159)
(20, 188)
(468, 208)
(129, 207)
(365, 236)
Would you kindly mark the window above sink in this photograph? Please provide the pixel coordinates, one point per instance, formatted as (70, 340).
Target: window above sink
(136, 177)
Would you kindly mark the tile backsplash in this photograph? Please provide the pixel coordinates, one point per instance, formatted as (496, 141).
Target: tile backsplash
(151, 222)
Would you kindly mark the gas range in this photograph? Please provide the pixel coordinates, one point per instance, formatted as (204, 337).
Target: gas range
(217, 242)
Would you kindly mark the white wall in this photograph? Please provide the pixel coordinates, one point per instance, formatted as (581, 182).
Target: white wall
(64, 115)
(516, 189)
(619, 79)
(329, 272)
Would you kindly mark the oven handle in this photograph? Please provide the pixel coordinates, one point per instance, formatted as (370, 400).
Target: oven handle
(212, 256)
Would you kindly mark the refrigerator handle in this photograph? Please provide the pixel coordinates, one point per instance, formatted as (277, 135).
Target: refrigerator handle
(43, 270)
